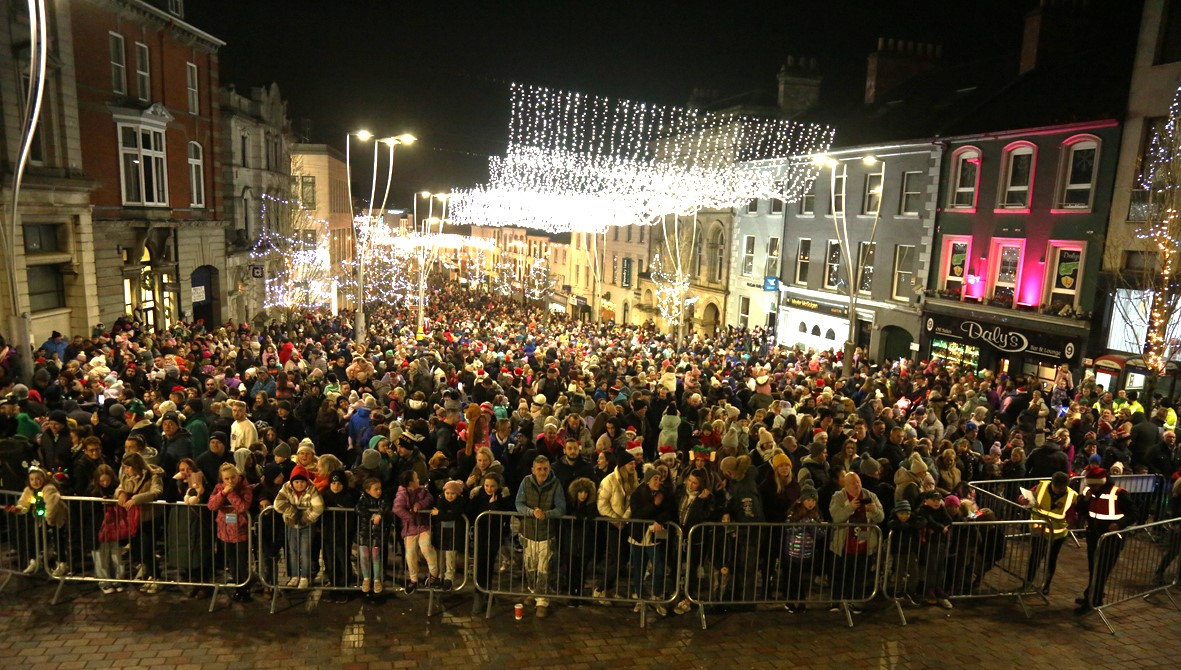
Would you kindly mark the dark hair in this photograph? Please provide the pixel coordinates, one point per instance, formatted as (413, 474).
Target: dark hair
(137, 439)
(406, 477)
(369, 482)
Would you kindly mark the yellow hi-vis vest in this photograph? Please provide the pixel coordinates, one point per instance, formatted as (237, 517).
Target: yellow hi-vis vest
(1045, 509)
(1104, 507)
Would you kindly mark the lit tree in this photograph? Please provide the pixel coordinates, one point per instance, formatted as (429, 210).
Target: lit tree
(540, 283)
(674, 264)
(1155, 290)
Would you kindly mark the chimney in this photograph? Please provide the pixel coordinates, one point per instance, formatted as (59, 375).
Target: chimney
(1054, 26)
(799, 85)
(894, 62)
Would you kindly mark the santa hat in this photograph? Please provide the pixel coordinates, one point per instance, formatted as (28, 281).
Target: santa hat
(635, 448)
(1095, 475)
(486, 408)
(667, 453)
(630, 432)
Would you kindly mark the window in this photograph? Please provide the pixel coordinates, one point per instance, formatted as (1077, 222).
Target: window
(1141, 261)
(872, 199)
(1138, 207)
(752, 207)
(641, 234)
(196, 175)
(776, 206)
(748, 255)
(808, 200)
(37, 147)
(802, 261)
(955, 265)
(1078, 173)
(965, 176)
(1006, 269)
(912, 198)
(1169, 42)
(627, 272)
(191, 85)
(1065, 269)
(832, 265)
(143, 77)
(247, 209)
(903, 272)
(615, 233)
(47, 288)
(1018, 176)
(144, 172)
(772, 268)
(743, 311)
(629, 233)
(41, 238)
(837, 204)
(718, 254)
(244, 149)
(307, 192)
(865, 255)
(177, 7)
(118, 64)
(698, 250)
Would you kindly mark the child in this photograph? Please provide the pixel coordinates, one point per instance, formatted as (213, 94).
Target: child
(412, 504)
(271, 534)
(106, 554)
(338, 527)
(300, 504)
(935, 524)
(578, 542)
(446, 517)
(799, 547)
(670, 424)
(41, 498)
(904, 551)
(371, 508)
(231, 501)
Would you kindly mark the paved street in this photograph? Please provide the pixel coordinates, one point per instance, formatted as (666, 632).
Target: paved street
(166, 631)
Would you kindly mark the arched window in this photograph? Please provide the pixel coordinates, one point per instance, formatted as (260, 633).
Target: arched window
(965, 177)
(1076, 172)
(830, 335)
(816, 331)
(196, 175)
(698, 250)
(1017, 165)
(247, 210)
(717, 250)
(803, 327)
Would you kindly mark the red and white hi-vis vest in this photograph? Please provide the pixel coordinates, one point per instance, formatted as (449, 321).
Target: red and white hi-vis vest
(1103, 507)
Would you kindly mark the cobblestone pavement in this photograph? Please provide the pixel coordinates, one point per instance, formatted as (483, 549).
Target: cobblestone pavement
(131, 630)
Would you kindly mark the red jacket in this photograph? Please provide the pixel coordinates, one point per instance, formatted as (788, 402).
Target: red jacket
(237, 501)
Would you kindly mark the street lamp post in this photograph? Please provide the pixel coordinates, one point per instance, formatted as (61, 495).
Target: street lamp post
(840, 224)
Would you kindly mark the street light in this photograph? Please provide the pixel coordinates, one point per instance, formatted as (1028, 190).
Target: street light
(364, 136)
(840, 224)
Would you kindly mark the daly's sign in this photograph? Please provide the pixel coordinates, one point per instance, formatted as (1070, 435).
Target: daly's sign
(1003, 339)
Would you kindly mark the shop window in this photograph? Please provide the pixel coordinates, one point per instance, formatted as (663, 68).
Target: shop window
(1065, 272)
(1006, 271)
(1077, 172)
(832, 265)
(965, 177)
(951, 351)
(1017, 178)
(830, 334)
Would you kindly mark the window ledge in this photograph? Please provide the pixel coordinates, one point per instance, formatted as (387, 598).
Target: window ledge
(56, 311)
(50, 258)
(1071, 210)
(1011, 210)
(960, 210)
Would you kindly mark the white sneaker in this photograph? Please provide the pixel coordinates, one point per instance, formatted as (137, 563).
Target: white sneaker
(636, 609)
(108, 590)
(151, 588)
(32, 567)
(141, 573)
(59, 570)
(303, 583)
(292, 582)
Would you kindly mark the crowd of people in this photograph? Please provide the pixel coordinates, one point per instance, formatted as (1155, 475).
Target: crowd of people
(501, 407)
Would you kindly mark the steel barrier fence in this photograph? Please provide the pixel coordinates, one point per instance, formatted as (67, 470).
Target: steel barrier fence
(22, 547)
(168, 545)
(330, 556)
(1150, 493)
(577, 559)
(1132, 563)
(1002, 496)
(968, 559)
(793, 565)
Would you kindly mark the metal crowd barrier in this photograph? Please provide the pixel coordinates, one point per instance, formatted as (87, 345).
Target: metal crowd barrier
(173, 545)
(577, 559)
(328, 554)
(1134, 563)
(973, 559)
(1149, 492)
(1001, 496)
(21, 543)
(795, 565)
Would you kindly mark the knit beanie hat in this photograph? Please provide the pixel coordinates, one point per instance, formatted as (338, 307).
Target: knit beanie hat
(917, 464)
(282, 450)
(809, 493)
(780, 459)
(902, 506)
(455, 486)
(117, 410)
(370, 459)
(870, 467)
(815, 449)
(306, 444)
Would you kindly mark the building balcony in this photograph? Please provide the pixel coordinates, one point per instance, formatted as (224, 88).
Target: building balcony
(1062, 315)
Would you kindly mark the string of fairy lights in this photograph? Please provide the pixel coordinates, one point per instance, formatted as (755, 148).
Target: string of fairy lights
(1161, 179)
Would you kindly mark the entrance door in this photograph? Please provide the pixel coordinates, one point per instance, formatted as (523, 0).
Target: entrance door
(205, 289)
(897, 343)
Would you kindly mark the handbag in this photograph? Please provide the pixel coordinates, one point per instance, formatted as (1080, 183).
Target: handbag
(118, 524)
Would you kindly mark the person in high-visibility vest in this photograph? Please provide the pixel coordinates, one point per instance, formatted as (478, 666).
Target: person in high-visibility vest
(1053, 502)
(1107, 508)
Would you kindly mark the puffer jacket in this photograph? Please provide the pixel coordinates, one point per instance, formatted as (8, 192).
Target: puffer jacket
(614, 497)
(299, 511)
(56, 513)
(237, 502)
(147, 488)
(413, 523)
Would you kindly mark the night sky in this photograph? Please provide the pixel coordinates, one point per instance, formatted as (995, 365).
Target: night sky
(440, 70)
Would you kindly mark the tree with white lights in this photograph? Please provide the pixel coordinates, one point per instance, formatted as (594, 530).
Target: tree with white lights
(540, 283)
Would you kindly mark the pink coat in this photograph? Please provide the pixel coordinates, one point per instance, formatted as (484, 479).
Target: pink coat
(413, 522)
(237, 502)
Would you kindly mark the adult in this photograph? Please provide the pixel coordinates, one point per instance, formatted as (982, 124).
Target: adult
(541, 501)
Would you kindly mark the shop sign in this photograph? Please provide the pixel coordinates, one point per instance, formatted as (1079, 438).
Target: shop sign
(1002, 338)
(770, 283)
(814, 306)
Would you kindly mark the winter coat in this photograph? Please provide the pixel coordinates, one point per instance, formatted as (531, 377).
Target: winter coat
(845, 511)
(448, 527)
(236, 502)
(414, 523)
(669, 426)
(368, 534)
(615, 497)
(189, 544)
(547, 496)
(147, 488)
(650, 505)
(56, 513)
(299, 511)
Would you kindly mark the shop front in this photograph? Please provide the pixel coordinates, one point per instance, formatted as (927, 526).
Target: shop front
(817, 325)
(1002, 345)
(1131, 373)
